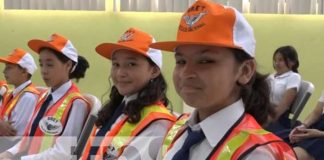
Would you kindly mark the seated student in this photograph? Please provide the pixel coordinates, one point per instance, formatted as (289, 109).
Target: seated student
(61, 112)
(18, 105)
(308, 137)
(284, 84)
(135, 119)
(216, 73)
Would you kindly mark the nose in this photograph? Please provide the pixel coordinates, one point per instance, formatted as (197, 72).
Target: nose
(188, 71)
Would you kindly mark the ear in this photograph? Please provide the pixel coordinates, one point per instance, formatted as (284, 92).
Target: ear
(291, 64)
(69, 64)
(155, 72)
(246, 71)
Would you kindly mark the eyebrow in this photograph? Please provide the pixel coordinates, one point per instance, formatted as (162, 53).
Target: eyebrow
(204, 51)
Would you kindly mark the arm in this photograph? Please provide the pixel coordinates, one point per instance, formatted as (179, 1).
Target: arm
(23, 111)
(148, 143)
(315, 114)
(286, 102)
(62, 147)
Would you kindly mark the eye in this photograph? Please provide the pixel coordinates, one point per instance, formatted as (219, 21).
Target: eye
(206, 61)
(130, 64)
(180, 61)
(115, 64)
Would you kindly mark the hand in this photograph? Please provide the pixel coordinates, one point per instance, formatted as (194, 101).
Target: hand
(6, 156)
(6, 129)
(296, 130)
(303, 133)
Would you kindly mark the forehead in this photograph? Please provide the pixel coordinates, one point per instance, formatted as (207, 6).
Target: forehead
(200, 50)
(126, 54)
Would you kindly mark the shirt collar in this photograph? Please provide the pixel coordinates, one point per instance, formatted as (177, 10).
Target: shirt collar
(59, 92)
(20, 87)
(130, 98)
(216, 125)
(283, 75)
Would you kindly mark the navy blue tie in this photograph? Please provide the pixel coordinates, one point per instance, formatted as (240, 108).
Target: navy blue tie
(40, 115)
(193, 138)
(105, 128)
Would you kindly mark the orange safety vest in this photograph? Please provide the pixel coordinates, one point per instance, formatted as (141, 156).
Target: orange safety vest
(55, 117)
(8, 104)
(124, 132)
(246, 135)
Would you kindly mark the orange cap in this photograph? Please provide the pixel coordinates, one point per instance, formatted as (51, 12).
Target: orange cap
(134, 40)
(58, 43)
(22, 58)
(208, 23)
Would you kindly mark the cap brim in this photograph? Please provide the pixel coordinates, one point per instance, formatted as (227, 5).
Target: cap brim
(172, 45)
(106, 49)
(6, 60)
(37, 44)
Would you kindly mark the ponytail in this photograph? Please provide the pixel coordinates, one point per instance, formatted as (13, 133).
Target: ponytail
(80, 69)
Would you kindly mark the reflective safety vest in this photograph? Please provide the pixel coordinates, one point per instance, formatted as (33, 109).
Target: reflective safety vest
(9, 102)
(53, 122)
(246, 136)
(124, 132)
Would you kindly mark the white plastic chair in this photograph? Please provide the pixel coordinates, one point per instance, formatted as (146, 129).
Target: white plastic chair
(305, 91)
(88, 126)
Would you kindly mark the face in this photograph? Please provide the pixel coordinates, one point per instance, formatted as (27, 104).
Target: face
(206, 77)
(54, 72)
(279, 64)
(131, 71)
(14, 74)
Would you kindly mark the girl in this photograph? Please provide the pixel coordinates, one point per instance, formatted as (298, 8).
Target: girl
(308, 138)
(135, 119)
(215, 72)
(284, 86)
(60, 114)
(18, 105)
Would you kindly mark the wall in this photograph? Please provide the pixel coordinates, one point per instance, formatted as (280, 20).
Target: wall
(87, 29)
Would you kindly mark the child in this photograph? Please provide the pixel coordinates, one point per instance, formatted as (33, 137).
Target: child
(18, 105)
(215, 72)
(135, 119)
(62, 110)
(308, 138)
(284, 86)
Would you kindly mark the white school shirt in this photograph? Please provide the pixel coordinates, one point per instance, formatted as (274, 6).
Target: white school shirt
(279, 84)
(23, 111)
(148, 143)
(215, 128)
(62, 147)
(321, 99)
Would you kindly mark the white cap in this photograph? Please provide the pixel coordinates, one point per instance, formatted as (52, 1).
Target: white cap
(22, 58)
(58, 43)
(135, 40)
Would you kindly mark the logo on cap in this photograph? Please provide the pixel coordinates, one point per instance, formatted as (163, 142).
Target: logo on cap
(127, 36)
(50, 125)
(191, 20)
(111, 153)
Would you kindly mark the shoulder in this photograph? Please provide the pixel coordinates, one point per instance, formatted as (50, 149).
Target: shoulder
(295, 75)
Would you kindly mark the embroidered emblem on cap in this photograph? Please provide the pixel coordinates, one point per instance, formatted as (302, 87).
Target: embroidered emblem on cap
(111, 153)
(51, 126)
(127, 36)
(191, 20)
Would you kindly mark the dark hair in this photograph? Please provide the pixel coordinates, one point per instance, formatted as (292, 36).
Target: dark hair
(28, 75)
(255, 93)
(289, 53)
(80, 69)
(152, 92)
